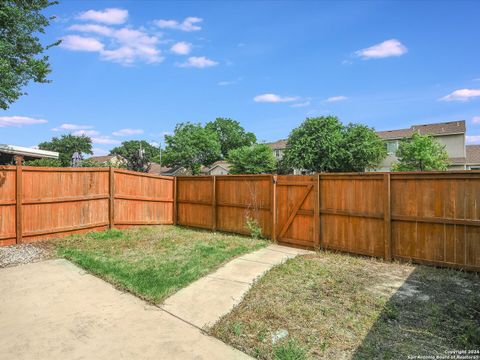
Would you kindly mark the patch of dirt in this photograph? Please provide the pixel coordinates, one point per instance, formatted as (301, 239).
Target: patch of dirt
(25, 253)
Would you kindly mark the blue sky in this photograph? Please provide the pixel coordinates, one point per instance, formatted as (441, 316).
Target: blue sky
(133, 69)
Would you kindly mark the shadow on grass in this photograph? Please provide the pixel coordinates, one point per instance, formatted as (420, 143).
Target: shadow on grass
(435, 311)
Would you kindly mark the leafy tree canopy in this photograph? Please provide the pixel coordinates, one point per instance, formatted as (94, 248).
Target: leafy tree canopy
(254, 159)
(324, 144)
(421, 153)
(21, 59)
(364, 148)
(43, 162)
(230, 134)
(316, 145)
(66, 145)
(138, 153)
(192, 146)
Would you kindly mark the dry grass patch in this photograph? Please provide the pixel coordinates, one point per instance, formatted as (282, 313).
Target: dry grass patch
(335, 306)
(153, 262)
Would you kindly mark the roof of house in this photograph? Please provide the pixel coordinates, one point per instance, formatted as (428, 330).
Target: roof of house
(279, 144)
(446, 128)
(102, 159)
(222, 163)
(457, 160)
(473, 154)
(28, 152)
(157, 169)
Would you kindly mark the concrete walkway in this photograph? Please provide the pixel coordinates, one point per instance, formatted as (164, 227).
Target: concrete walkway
(55, 310)
(203, 302)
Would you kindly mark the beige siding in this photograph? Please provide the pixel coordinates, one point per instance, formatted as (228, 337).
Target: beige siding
(454, 145)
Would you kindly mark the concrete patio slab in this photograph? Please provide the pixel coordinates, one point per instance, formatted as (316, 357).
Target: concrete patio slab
(205, 301)
(54, 310)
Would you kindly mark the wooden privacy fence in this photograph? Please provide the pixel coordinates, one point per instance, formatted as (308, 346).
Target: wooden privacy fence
(39, 203)
(424, 217)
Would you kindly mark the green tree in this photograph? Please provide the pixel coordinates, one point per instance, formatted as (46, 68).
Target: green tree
(364, 148)
(324, 144)
(138, 153)
(21, 53)
(230, 134)
(421, 153)
(43, 162)
(253, 159)
(316, 145)
(66, 145)
(192, 146)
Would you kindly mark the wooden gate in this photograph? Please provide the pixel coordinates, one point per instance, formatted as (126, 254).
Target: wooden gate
(297, 212)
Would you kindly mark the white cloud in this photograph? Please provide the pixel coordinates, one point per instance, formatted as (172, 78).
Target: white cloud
(92, 28)
(336, 99)
(229, 82)
(189, 24)
(127, 132)
(72, 127)
(301, 104)
(388, 48)
(181, 48)
(80, 43)
(198, 62)
(476, 120)
(111, 16)
(106, 140)
(88, 133)
(461, 95)
(273, 98)
(126, 45)
(472, 139)
(19, 121)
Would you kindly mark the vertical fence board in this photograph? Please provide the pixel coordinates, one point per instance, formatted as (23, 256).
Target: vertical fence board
(19, 199)
(8, 206)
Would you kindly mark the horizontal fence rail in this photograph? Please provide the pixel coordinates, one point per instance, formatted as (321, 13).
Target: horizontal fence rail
(432, 218)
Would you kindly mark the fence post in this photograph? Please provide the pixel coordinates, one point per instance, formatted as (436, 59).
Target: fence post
(18, 198)
(174, 208)
(317, 241)
(214, 203)
(387, 218)
(273, 205)
(111, 198)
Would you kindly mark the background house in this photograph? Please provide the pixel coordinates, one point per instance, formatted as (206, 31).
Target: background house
(278, 147)
(451, 134)
(221, 167)
(473, 157)
(113, 160)
(8, 153)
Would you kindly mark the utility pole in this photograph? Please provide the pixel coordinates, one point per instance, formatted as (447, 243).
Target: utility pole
(160, 148)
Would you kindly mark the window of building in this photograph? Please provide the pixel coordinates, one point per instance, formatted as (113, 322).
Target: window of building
(392, 146)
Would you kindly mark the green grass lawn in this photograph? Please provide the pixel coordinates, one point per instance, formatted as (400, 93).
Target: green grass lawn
(336, 306)
(153, 262)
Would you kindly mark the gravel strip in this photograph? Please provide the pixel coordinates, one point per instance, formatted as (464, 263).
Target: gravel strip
(23, 254)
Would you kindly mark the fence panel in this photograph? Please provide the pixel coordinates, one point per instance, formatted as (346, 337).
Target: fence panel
(238, 198)
(436, 218)
(295, 199)
(142, 199)
(7, 205)
(352, 213)
(59, 201)
(195, 201)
